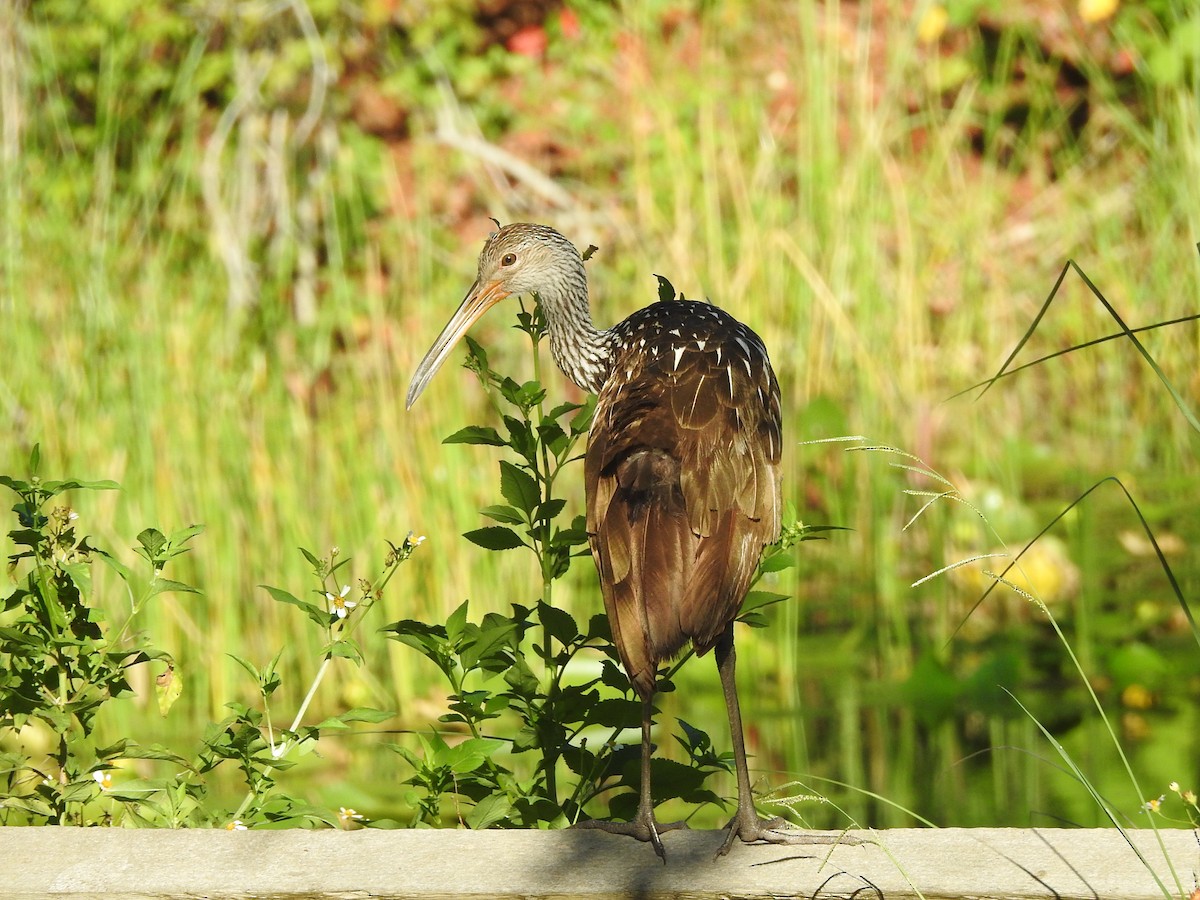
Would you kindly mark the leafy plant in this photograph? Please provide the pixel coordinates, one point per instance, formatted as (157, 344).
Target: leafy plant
(530, 664)
(59, 665)
(250, 738)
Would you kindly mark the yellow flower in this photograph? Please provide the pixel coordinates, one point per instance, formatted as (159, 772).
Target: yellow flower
(933, 24)
(1093, 11)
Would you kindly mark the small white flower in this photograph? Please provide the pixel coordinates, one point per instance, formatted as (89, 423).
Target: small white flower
(72, 515)
(346, 816)
(340, 605)
(103, 778)
(236, 825)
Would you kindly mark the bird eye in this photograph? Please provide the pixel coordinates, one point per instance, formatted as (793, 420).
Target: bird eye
(509, 259)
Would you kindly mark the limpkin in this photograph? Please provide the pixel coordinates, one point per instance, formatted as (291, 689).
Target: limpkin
(682, 475)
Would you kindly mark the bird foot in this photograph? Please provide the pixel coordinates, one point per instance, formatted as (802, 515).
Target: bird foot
(644, 828)
(751, 829)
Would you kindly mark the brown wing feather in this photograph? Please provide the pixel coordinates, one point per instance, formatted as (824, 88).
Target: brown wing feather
(682, 476)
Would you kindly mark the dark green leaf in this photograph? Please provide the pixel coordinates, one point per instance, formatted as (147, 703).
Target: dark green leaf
(476, 434)
(549, 509)
(562, 409)
(20, 487)
(582, 420)
(559, 622)
(495, 537)
(486, 652)
(152, 541)
(666, 291)
(520, 437)
(615, 712)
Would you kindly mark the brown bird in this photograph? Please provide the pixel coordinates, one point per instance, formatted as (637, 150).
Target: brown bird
(681, 473)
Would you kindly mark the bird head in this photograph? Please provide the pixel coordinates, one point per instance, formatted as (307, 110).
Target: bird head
(517, 259)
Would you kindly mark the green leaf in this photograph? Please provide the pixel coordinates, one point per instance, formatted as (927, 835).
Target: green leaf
(57, 487)
(562, 409)
(582, 420)
(615, 712)
(345, 648)
(245, 664)
(116, 565)
(314, 612)
(755, 603)
(470, 754)
(488, 650)
(502, 513)
(777, 562)
(666, 291)
(81, 574)
(312, 559)
(429, 640)
(519, 487)
(476, 434)
(495, 537)
(548, 510)
(183, 535)
(133, 750)
(456, 622)
(475, 349)
(30, 804)
(491, 809)
(165, 585)
(168, 687)
(152, 541)
(20, 487)
(366, 714)
(559, 622)
(521, 438)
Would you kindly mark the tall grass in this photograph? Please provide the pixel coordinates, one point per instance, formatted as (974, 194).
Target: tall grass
(807, 187)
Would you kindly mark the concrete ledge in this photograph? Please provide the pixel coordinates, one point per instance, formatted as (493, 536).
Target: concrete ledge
(37, 863)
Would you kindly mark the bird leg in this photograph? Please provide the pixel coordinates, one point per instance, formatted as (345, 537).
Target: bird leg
(746, 823)
(644, 827)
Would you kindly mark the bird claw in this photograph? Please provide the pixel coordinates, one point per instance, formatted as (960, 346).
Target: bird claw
(751, 829)
(644, 828)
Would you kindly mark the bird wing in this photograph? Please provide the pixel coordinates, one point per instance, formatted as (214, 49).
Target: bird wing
(682, 475)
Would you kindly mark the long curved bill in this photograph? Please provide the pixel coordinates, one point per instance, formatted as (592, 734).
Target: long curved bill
(480, 298)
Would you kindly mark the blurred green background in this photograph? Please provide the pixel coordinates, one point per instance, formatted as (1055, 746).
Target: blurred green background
(230, 230)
